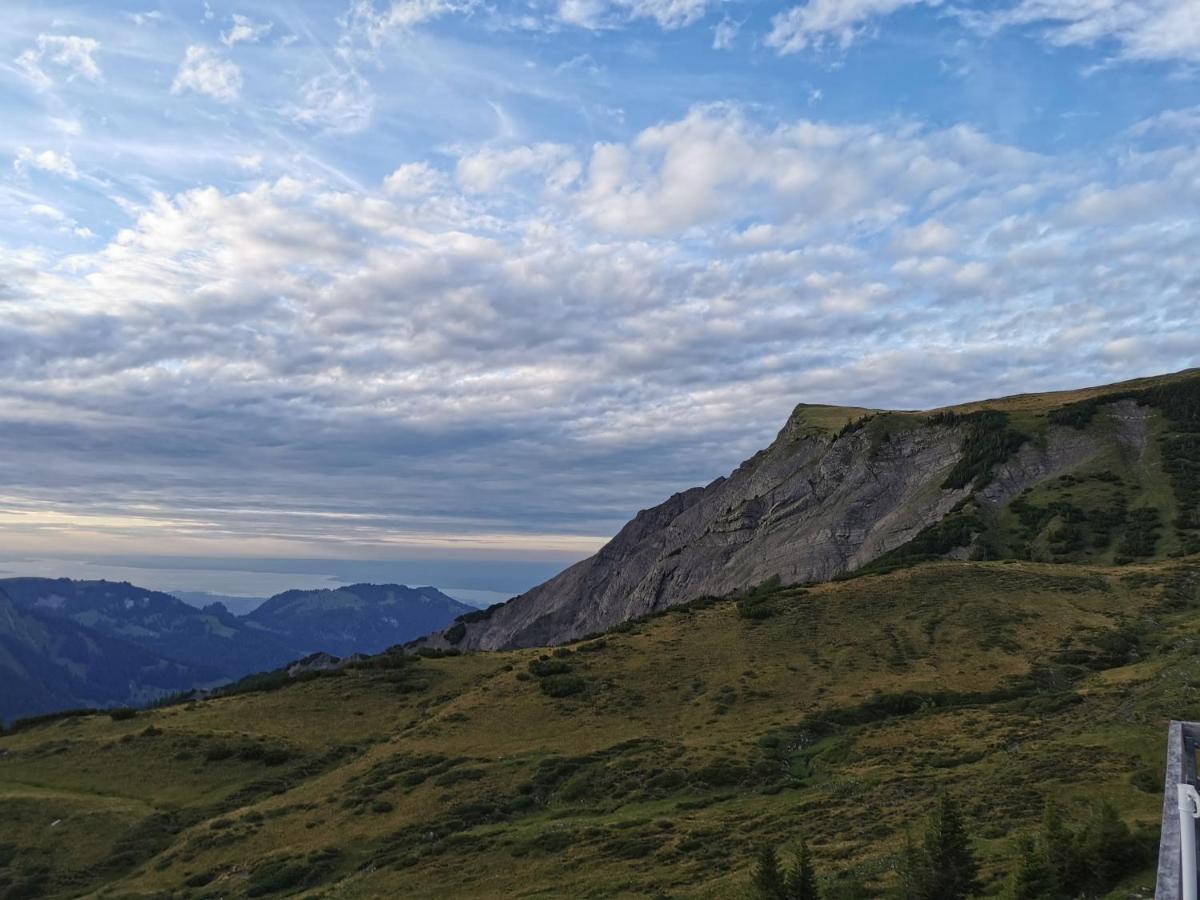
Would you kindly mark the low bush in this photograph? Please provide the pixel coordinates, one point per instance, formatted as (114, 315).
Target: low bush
(562, 685)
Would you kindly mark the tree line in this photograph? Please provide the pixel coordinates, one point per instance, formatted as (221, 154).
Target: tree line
(1058, 862)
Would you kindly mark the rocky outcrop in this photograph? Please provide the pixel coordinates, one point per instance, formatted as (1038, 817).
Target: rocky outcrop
(818, 503)
(809, 507)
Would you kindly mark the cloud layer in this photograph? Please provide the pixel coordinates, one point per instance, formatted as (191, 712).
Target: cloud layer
(605, 322)
(436, 275)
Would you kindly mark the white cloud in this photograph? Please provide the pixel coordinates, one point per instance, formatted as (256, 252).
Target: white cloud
(73, 53)
(335, 101)
(725, 33)
(144, 18)
(205, 71)
(818, 22)
(1161, 30)
(931, 236)
(715, 165)
(46, 161)
(245, 30)
(366, 28)
(659, 316)
(669, 14)
(45, 211)
(250, 162)
(414, 180)
(488, 169)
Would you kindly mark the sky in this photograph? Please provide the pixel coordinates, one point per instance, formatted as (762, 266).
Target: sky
(456, 280)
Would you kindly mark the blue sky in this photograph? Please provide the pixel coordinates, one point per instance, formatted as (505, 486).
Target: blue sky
(443, 278)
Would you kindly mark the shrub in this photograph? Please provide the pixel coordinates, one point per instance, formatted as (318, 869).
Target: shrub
(543, 668)
(122, 713)
(562, 685)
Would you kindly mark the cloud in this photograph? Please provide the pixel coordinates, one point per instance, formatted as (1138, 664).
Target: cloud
(820, 22)
(1155, 30)
(366, 28)
(336, 101)
(725, 33)
(75, 54)
(44, 211)
(205, 71)
(245, 30)
(490, 168)
(716, 164)
(45, 161)
(414, 180)
(144, 18)
(440, 358)
(668, 14)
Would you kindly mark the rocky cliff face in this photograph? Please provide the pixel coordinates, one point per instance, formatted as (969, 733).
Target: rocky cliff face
(811, 506)
(821, 502)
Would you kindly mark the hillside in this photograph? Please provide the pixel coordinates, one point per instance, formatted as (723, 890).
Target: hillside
(66, 643)
(650, 762)
(1104, 475)
(48, 664)
(359, 618)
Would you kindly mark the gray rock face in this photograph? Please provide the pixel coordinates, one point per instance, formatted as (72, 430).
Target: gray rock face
(807, 508)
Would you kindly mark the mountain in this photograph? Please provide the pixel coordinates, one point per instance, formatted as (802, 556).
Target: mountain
(158, 622)
(106, 643)
(651, 762)
(239, 606)
(360, 618)
(1101, 475)
(49, 663)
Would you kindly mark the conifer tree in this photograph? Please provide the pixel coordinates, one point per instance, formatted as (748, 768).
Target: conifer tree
(1032, 879)
(912, 871)
(1058, 850)
(952, 870)
(802, 880)
(767, 878)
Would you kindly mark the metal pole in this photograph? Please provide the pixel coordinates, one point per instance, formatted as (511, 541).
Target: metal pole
(1189, 808)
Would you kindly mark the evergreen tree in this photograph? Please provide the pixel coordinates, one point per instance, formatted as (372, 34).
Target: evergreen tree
(912, 871)
(1032, 878)
(1058, 850)
(952, 870)
(802, 880)
(769, 882)
(1104, 848)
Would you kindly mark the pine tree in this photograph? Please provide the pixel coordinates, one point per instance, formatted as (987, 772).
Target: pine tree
(1104, 848)
(1058, 850)
(769, 882)
(953, 871)
(802, 880)
(912, 871)
(1032, 879)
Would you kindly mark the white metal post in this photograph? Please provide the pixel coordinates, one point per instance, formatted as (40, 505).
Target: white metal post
(1189, 809)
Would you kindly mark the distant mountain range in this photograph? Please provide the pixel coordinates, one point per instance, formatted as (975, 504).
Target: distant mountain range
(67, 643)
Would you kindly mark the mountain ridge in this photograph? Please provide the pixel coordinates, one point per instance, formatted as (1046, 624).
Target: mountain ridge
(118, 628)
(842, 487)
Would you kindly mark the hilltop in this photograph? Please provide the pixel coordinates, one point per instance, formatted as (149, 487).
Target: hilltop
(1104, 475)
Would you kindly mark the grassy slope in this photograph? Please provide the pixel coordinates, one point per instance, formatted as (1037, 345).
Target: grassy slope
(693, 740)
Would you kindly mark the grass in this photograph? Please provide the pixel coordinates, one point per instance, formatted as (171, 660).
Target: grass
(697, 734)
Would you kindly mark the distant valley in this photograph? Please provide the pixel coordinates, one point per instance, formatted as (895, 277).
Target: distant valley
(67, 643)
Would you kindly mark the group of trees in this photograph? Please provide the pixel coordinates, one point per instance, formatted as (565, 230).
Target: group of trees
(941, 867)
(1061, 862)
(1058, 863)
